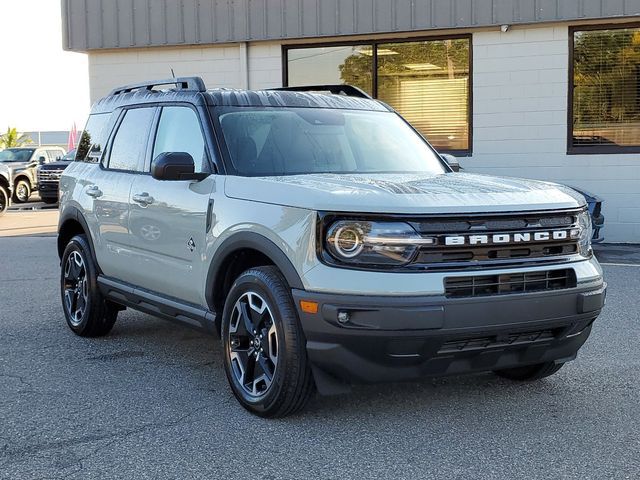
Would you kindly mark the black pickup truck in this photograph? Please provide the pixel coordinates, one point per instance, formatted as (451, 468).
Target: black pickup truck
(49, 177)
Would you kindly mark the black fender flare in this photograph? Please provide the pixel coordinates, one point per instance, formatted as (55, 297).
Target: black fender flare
(74, 214)
(254, 241)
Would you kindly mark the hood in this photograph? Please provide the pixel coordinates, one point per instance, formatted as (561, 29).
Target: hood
(405, 193)
(58, 165)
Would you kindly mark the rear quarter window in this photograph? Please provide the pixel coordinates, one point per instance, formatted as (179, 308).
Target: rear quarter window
(93, 138)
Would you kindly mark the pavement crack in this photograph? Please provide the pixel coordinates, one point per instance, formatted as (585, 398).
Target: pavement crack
(20, 378)
(88, 439)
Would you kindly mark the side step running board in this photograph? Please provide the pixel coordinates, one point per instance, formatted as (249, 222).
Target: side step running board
(156, 304)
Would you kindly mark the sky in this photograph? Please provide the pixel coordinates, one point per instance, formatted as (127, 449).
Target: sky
(42, 87)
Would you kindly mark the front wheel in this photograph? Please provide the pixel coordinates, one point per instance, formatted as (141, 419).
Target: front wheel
(530, 373)
(87, 312)
(22, 191)
(264, 347)
(4, 199)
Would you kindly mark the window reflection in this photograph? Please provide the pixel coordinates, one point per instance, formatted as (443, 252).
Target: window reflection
(427, 82)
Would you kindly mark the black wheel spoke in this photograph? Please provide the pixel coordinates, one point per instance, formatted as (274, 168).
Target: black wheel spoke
(80, 303)
(74, 303)
(263, 365)
(251, 370)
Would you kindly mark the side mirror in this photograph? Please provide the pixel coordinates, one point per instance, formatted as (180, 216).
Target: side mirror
(451, 161)
(175, 166)
(42, 160)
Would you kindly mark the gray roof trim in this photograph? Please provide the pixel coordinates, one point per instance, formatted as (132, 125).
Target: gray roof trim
(103, 24)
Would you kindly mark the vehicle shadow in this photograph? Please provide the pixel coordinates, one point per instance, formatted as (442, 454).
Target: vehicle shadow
(198, 356)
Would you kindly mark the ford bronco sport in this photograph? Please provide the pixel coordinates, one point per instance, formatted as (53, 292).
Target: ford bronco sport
(322, 237)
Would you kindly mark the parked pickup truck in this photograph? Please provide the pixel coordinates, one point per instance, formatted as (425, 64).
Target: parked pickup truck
(22, 163)
(49, 177)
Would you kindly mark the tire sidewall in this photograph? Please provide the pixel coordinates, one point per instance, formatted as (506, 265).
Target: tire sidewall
(4, 200)
(79, 244)
(245, 283)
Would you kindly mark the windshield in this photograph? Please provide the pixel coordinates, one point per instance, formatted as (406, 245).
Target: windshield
(69, 156)
(293, 141)
(16, 154)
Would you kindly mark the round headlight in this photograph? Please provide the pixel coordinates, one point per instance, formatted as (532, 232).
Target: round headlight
(347, 240)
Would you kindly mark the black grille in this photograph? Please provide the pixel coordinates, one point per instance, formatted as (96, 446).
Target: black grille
(483, 285)
(448, 254)
(508, 226)
(496, 341)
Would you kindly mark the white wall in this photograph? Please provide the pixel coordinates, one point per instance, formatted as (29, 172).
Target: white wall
(219, 66)
(520, 89)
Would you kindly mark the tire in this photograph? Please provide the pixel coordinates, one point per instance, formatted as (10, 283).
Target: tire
(22, 191)
(263, 294)
(4, 200)
(87, 312)
(49, 200)
(530, 373)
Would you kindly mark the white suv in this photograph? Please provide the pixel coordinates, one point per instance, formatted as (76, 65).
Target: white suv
(322, 237)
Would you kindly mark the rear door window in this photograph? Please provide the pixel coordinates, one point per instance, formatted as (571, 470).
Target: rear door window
(130, 143)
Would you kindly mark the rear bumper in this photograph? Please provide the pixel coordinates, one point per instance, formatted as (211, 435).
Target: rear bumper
(402, 338)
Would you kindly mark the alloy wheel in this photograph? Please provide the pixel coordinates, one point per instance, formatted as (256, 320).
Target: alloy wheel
(253, 344)
(76, 287)
(22, 193)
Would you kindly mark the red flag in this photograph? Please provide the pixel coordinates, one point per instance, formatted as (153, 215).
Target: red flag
(73, 135)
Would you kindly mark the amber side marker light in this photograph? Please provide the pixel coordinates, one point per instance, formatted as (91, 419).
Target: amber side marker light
(308, 306)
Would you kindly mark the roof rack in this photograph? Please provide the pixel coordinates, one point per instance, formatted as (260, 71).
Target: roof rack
(348, 90)
(191, 84)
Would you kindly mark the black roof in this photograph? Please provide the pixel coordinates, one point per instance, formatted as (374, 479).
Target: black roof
(286, 98)
(192, 90)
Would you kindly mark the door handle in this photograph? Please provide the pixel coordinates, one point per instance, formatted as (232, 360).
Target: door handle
(143, 199)
(94, 191)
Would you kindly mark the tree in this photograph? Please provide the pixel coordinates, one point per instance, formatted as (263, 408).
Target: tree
(13, 139)
(606, 77)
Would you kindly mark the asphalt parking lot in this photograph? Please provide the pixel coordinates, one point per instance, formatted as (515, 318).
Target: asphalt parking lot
(151, 401)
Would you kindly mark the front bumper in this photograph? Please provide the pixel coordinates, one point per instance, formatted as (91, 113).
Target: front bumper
(401, 338)
(48, 189)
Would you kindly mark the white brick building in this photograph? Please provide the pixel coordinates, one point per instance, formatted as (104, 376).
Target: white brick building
(520, 102)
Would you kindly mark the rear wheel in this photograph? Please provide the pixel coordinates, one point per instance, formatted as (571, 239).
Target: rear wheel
(530, 373)
(4, 199)
(22, 191)
(49, 200)
(264, 347)
(87, 312)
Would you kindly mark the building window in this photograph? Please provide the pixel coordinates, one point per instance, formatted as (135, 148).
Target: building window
(330, 65)
(605, 93)
(428, 81)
